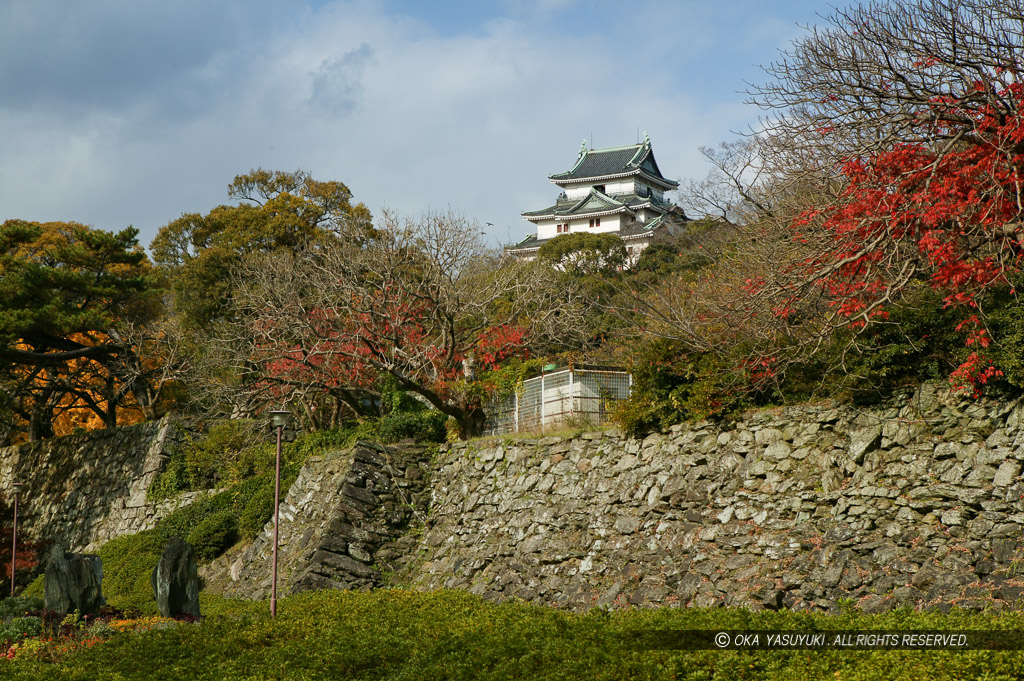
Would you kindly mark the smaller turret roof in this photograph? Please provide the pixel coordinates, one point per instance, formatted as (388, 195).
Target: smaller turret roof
(597, 203)
(629, 233)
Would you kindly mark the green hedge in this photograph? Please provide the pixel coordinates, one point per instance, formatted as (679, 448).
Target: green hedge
(397, 634)
(18, 606)
(128, 563)
(214, 535)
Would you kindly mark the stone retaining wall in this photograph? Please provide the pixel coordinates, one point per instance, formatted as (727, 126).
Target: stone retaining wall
(85, 489)
(920, 502)
(344, 525)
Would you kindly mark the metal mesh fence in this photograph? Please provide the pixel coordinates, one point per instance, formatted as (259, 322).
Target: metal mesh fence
(580, 395)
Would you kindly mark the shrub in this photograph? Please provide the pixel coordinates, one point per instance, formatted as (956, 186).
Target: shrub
(19, 605)
(254, 499)
(227, 452)
(128, 563)
(306, 445)
(671, 385)
(397, 634)
(18, 628)
(1006, 322)
(34, 588)
(214, 535)
(256, 509)
(187, 518)
(917, 342)
(423, 426)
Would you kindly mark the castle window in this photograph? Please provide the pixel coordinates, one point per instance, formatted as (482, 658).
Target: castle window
(595, 222)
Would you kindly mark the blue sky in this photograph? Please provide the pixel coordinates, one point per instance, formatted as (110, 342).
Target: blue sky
(131, 112)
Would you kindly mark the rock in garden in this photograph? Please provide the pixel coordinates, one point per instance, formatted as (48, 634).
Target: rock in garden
(73, 582)
(175, 580)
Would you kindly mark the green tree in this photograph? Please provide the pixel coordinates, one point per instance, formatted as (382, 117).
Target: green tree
(697, 244)
(581, 253)
(276, 210)
(66, 292)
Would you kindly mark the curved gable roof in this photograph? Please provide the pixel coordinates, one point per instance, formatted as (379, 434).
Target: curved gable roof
(595, 164)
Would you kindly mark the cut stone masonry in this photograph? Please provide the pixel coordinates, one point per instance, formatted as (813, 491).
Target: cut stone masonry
(344, 525)
(919, 502)
(83, 490)
(916, 502)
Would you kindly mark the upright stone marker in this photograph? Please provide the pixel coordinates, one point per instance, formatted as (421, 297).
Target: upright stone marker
(175, 580)
(73, 582)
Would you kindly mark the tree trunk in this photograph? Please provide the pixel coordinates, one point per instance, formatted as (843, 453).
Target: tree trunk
(471, 423)
(40, 425)
(110, 415)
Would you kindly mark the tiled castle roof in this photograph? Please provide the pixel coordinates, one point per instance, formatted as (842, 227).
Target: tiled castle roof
(594, 164)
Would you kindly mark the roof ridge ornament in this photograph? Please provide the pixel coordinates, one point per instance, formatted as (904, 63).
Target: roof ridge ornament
(647, 138)
(583, 148)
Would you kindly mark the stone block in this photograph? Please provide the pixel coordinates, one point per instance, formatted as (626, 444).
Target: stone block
(358, 494)
(1004, 550)
(74, 581)
(863, 442)
(1007, 474)
(627, 525)
(873, 605)
(767, 436)
(345, 565)
(954, 516)
(175, 580)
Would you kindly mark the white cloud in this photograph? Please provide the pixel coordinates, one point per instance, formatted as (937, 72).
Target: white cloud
(408, 117)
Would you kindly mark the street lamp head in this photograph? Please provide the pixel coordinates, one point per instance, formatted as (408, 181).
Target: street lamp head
(18, 486)
(280, 418)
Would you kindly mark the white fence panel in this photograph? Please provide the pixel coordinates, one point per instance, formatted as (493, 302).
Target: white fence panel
(581, 395)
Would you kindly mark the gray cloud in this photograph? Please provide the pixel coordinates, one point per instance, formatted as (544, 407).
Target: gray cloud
(69, 58)
(338, 82)
(117, 113)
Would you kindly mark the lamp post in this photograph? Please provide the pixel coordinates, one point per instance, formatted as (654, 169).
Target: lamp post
(279, 419)
(14, 535)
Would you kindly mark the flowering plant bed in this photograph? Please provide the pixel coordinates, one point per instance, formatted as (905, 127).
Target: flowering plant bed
(27, 630)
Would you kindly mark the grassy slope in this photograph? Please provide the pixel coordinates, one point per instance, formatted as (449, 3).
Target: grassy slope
(395, 634)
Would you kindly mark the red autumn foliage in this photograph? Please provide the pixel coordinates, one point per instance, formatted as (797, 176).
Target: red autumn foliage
(28, 559)
(947, 213)
(499, 343)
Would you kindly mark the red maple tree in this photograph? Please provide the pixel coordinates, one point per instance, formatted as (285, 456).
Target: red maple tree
(948, 213)
(426, 303)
